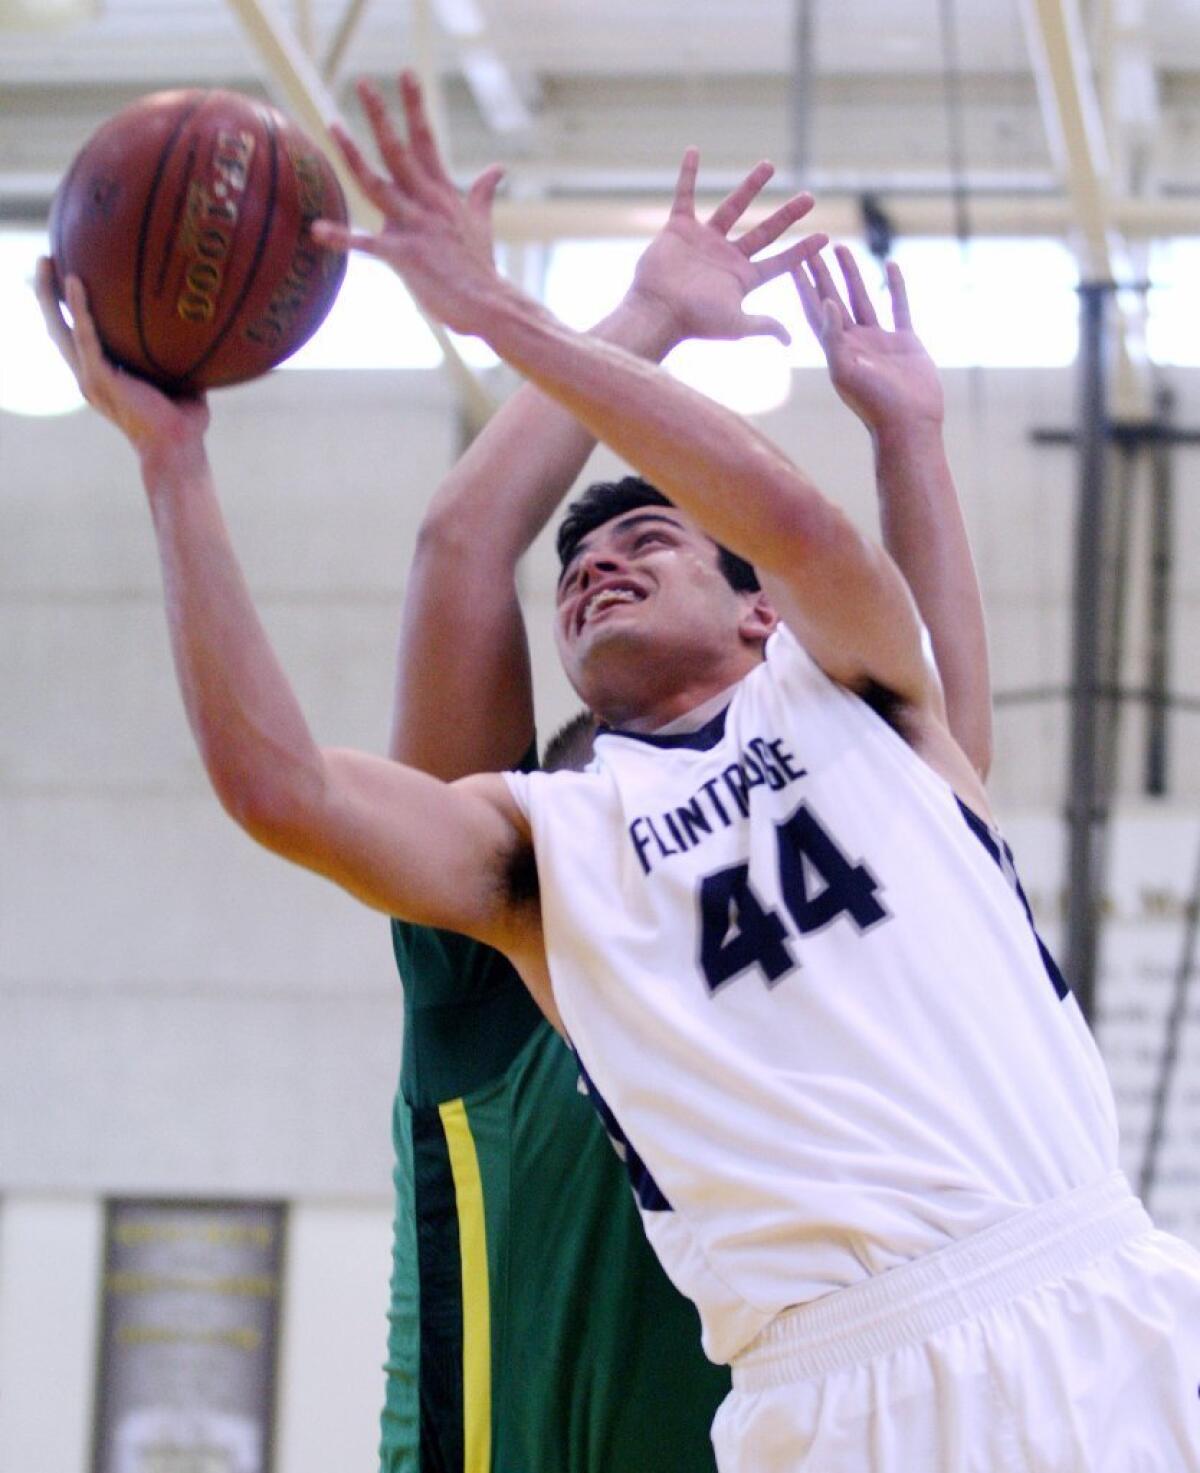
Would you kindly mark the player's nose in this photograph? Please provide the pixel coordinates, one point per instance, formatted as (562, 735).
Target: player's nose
(597, 563)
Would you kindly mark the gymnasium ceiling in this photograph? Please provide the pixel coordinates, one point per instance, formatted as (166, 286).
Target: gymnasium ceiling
(1058, 115)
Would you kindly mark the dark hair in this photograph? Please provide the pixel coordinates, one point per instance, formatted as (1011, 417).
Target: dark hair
(570, 748)
(604, 500)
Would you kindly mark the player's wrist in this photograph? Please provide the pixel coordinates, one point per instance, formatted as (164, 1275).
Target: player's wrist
(904, 428)
(654, 319)
(170, 460)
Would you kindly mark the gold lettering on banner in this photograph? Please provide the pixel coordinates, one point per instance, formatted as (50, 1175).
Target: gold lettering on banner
(247, 1338)
(259, 1234)
(126, 1281)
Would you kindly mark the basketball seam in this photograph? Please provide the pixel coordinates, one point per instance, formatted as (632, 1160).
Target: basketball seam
(259, 252)
(144, 231)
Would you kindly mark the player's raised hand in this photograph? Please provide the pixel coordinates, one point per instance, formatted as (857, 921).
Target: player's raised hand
(694, 271)
(884, 375)
(438, 239)
(152, 422)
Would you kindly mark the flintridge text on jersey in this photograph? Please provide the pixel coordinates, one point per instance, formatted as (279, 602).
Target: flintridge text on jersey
(716, 804)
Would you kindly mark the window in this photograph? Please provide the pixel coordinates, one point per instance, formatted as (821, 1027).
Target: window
(995, 303)
(33, 377)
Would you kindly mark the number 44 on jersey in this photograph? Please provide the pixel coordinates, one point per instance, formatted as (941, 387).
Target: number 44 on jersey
(818, 884)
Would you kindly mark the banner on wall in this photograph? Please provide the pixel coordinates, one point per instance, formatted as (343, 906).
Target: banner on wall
(1153, 857)
(189, 1324)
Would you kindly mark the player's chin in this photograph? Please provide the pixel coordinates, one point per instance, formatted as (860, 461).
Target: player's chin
(607, 639)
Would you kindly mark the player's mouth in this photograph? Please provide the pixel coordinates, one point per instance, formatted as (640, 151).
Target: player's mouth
(600, 600)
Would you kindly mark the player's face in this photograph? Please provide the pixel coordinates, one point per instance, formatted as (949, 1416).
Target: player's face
(642, 594)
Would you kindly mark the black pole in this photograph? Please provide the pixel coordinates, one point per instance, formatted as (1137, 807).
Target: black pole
(1173, 1031)
(1086, 812)
(1162, 494)
(1114, 603)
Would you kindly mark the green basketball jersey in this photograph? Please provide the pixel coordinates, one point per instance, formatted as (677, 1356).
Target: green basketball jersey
(532, 1329)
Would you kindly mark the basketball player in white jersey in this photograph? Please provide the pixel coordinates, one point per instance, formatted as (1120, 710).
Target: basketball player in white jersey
(868, 1129)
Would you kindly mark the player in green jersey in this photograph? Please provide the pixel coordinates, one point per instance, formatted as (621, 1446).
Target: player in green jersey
(531, 1326)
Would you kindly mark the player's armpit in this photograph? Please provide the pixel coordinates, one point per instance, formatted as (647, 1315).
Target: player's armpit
(435, 853)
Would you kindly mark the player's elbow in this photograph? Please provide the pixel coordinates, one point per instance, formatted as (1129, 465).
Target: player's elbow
(275, 808)
(453, 533)
(442, 534)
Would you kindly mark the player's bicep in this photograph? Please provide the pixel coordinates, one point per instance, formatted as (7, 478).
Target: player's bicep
(408, 844)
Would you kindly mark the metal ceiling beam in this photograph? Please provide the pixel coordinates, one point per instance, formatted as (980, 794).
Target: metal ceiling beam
(305, 25)
(26, 197)
(1074, 128)
(312, 104)
(1076, 131)
(991, 215)
(490, 80)
(339, 42)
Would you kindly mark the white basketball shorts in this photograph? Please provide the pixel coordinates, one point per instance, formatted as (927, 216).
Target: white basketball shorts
(1064, 1340)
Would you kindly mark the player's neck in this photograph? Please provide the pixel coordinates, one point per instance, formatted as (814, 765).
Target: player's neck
(674, 705)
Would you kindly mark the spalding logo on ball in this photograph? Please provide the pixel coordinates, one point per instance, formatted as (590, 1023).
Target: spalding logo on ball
(187, 216)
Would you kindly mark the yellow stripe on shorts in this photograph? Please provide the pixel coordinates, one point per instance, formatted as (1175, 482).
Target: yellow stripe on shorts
(476, 1312)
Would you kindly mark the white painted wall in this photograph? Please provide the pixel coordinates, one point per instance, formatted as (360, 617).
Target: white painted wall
(334, 1337)
(182, 1014)
(51, 1249)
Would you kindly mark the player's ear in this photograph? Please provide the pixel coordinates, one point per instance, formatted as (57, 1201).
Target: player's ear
(758, 619)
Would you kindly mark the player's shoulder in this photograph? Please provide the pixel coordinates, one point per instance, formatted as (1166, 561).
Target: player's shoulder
(497, 792)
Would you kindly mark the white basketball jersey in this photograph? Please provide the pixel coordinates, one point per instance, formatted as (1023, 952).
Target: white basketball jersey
(805, 988)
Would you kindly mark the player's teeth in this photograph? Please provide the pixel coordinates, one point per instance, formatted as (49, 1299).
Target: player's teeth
(611, 596)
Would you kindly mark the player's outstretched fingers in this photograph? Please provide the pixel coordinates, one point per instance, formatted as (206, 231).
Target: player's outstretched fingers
(810, 302)
(391, 148)
(684, 202)
(483, 192)
(789, 259)
(46, 288)
(769, 230)
(901, 316)
(734, 205)
(382, 193)
(336, 236)
(93, 368)
(822, 316)
(763, 326)
(827, 289)
(422, 144)
(860, 300)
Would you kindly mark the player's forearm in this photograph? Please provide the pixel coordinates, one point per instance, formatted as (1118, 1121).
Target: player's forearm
(252, 737)
(481, 521)
(923, 529)
(715, 466)
(514, 474)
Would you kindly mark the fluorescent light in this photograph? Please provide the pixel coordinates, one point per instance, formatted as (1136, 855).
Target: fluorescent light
(749, 376)
(585, 279)
(374, 323)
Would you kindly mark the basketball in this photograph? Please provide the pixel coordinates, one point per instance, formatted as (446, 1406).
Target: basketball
(186, 216)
